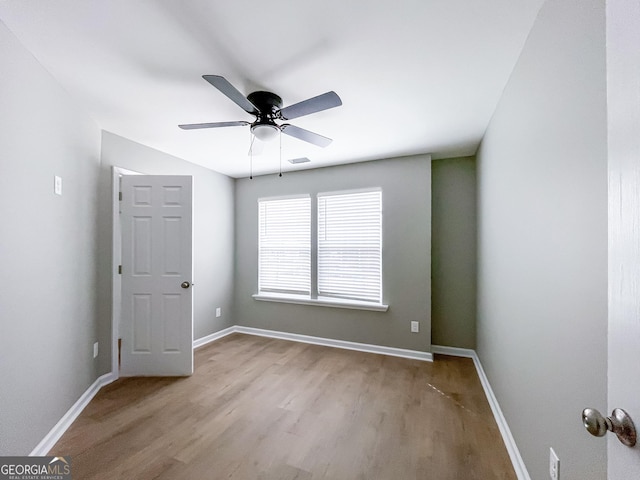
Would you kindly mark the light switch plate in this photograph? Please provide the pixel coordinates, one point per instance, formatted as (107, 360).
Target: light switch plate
(218, 312)
(415, 327)
(554, 465)
(57, 185)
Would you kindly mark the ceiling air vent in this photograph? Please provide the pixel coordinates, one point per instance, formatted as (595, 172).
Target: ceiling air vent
(299, 160)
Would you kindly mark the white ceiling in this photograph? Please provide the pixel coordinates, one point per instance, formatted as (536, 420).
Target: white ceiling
(415, 76)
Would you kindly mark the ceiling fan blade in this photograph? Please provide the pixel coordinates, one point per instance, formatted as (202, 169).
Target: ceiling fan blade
(312, 105)
(305, 135)
(194, 126)
(232, 93)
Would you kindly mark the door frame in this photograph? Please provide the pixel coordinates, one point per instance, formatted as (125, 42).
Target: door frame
(116, 260)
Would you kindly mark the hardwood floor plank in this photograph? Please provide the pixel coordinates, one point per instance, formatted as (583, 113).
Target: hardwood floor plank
(260, 408)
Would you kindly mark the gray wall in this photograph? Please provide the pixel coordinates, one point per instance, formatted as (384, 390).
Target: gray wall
(47, 250)
(453, 252)
(406, 191)
(212, 233)
(542, 261)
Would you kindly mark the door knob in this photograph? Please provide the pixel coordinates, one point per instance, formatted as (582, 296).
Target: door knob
(619, 423)
(185, 284)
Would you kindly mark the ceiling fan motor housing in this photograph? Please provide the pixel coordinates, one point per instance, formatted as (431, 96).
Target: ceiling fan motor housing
(268, 105)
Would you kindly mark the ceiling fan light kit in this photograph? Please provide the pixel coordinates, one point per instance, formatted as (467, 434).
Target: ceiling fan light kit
(267, 108)
(265, 131)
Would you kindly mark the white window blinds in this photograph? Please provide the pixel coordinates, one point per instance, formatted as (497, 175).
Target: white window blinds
(350, 245)
(284, 244)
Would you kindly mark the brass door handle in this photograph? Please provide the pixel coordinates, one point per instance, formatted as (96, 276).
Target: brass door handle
(619, 423)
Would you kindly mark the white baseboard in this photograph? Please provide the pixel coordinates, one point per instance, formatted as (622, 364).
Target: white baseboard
(199, 342)
(65, 422)
(329, 342)
(509, 442)
(454, 351)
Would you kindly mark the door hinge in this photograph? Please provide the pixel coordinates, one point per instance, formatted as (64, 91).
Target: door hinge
(120, 196)
(119, 269)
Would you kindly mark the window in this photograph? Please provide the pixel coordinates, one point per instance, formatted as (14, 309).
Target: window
(345, 249)
(350, 246)
(284, 246)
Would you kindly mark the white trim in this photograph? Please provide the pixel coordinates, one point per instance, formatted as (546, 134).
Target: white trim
(320, 302)
(202, 341)
(347, 192)
(284, 197)
(116, 254)
(329, 342)
(453, 351)
(50, 439)
(509, 442)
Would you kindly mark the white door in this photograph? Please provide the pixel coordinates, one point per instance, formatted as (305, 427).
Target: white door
(156, 222)
(623, 105)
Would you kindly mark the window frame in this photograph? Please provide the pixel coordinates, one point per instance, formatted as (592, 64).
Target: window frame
(312, 298)
(272, 289)
(344, 295)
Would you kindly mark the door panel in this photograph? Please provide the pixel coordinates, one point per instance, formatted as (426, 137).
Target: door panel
(156, 218)
(141, 323)
(141, 245)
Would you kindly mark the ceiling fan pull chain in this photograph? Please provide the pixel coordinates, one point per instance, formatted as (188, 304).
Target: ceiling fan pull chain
(280, 153)
(252, 138)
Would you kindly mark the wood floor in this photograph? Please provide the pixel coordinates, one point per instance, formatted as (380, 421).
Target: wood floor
(259, 408)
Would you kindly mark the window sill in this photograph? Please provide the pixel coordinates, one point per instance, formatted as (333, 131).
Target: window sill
(321, 302)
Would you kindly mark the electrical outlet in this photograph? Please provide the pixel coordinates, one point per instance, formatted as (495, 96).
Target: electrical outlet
(415, 327)
(95, 350)
(554, 465)
(218, 312)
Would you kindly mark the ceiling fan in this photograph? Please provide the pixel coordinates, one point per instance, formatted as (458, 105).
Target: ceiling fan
(267, 108)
